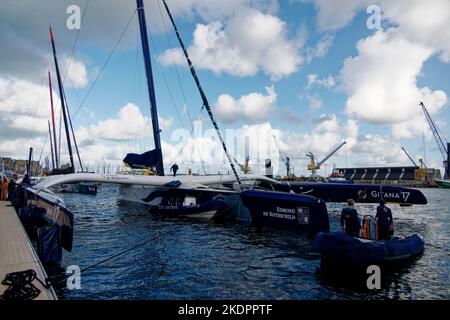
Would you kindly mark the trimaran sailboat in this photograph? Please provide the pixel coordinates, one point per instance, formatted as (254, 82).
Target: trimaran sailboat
(252, 198)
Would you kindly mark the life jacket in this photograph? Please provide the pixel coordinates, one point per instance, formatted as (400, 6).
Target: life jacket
(369, 228)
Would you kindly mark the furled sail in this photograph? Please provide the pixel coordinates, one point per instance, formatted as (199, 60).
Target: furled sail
(146, 160)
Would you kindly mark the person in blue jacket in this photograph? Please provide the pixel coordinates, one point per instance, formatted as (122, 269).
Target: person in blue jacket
(349, 219)
(384, 221)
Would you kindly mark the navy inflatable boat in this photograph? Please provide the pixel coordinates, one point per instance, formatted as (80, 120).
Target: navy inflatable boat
(209, 209)
(342, 250)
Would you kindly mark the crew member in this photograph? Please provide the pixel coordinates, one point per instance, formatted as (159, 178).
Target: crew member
(174, 168)
(385, 222)
(349, 219)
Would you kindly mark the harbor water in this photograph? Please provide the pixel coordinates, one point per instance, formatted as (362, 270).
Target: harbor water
(199, 259)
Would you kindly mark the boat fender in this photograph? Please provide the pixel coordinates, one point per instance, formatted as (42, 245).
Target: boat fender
(49, 245)
(173, 184)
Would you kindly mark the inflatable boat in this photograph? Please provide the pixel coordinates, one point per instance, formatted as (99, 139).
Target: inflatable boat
(209, 209)
(340, 249)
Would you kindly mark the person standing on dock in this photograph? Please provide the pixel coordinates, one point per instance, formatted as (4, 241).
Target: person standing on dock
(384, 221)
(349, 219)
(4, 189)
(11, 187)
(174, 168)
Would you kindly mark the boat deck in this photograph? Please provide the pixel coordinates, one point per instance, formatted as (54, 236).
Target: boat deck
(17, 252)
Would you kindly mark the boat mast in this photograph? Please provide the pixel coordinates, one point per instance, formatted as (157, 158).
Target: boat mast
(73, 133)
(56, 162)
(150, 85)
(51, 145)
(63, 107)
(202, 94)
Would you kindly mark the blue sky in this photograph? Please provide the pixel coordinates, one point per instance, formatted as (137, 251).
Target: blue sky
(366, 100)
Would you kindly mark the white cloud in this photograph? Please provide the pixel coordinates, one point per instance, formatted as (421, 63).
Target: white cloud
(253, 107)
(248, 42)
(129, 124)
(24, 108)
(328, 82)
(165, 123)
(24, 27)
(333, 15)
(320, 49)
(381, 82)
(424, 22)
(328, 133)
(172, 56)
(376, 150)
(76, 75)
(315, 102)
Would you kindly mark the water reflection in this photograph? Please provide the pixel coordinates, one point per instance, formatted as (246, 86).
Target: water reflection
(200, 259)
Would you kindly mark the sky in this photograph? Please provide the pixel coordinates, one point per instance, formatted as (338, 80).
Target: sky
(283, 78)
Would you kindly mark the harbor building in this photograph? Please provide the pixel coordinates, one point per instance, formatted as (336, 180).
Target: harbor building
(402, 175)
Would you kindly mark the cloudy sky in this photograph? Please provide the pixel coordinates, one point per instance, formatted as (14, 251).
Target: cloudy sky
(312, 73)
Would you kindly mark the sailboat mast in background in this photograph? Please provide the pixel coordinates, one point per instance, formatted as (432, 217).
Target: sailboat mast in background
(54, 147)
(63, 107)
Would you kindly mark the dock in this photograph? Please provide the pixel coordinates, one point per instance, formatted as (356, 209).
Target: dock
(17, 252)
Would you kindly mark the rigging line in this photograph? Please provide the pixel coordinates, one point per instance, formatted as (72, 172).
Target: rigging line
(73, 134)
(76, 41)
(198, 151)
(38, 101)
(135, 73)
(59, 137)
(58, 278)
(175, 65)
(194, 138)
(184, 145)
(202, 94)
(105, 63)
(167, 84)
(42, 151)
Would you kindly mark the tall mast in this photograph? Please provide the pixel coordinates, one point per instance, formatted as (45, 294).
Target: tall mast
(150, 85)
(202, 94)
(447, 174)
(73, 134)
(63, 106)
(56, 162)
(51, 145)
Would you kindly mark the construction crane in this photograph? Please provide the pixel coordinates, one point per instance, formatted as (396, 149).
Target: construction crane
(407, 154)
(286, 161)
(313, 166)
(244, 167)
(443, 147)
(422, 164)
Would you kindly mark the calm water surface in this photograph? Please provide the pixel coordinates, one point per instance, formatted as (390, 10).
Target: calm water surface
(196, 259)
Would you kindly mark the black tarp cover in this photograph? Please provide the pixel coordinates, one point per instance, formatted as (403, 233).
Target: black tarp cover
(146, 160)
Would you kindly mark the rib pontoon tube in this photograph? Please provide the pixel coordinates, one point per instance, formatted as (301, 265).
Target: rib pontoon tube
(340, 249)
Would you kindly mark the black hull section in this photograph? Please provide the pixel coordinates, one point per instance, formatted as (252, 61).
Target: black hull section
(340, 192)
(87, 188)
(218, 207)
(287, 211)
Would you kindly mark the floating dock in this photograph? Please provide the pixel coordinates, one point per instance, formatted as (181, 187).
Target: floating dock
(17, 252)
